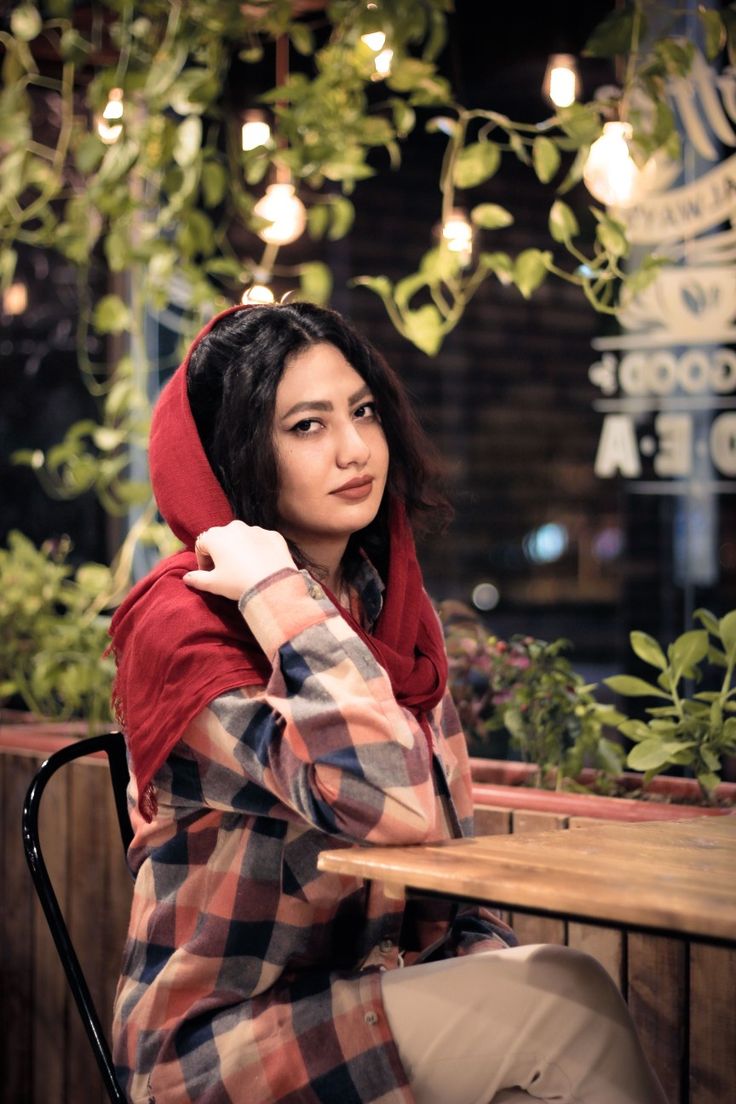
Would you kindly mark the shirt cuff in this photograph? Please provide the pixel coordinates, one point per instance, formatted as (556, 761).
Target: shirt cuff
(283, 605)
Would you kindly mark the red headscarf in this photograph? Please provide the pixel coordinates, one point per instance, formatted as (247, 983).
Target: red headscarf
(177, 649)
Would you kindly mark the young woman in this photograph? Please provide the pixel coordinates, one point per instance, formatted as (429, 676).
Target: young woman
(282, 684)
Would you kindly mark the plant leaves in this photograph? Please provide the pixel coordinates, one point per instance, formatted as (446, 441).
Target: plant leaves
(476, 163)
(648, 755)
(563, 226)
(687, 650)
(315, 279)
(727, 632)
(545, 158)
(632, 687)
(424, 328)
(111, 315)
(530, 269)
(647, 648)
(26, 22)
(491, 216)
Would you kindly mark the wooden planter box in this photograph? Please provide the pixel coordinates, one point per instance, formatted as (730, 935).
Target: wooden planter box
(680, 993)
(44, 1054)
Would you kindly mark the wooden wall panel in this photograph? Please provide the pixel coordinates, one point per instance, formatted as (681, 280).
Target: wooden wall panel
(712, 1044)
(657, 999)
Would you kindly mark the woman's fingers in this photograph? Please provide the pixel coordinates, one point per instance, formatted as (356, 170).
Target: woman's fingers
(235, 557)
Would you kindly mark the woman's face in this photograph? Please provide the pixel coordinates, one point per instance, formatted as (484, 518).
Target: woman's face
(331, 452)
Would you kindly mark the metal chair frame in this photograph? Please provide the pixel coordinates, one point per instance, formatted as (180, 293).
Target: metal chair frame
(113, 745)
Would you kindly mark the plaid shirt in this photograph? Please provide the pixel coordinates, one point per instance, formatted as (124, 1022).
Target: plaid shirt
(248, 975)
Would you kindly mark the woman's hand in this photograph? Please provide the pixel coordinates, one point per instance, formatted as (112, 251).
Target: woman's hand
(233, 558)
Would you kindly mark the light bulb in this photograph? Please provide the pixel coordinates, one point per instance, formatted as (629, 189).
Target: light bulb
(561, 80)
(15, 299)
(256, 131)
(257, 293)
(285, 212)
(109, 126)
(457, 232)
(382, 63)
(610, 173)
(374, 40)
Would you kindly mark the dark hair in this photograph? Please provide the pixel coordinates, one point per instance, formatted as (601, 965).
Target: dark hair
(232, 379)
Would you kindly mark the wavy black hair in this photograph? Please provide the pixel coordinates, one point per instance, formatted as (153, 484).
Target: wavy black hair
(232, 379)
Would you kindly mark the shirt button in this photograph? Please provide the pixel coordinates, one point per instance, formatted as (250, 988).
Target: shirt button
(371, 1018)
(385, 946)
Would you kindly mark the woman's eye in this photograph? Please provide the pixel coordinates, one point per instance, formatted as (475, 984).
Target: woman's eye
(305, 427)
(366, 410)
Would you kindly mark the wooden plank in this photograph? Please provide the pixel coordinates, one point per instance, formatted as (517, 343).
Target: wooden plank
(528, 927)
(491, 821)
(607, 945)
(657, 996)
(17, 948)
(51, 997)
(87, 845)
(712, 1013)
(604, 944)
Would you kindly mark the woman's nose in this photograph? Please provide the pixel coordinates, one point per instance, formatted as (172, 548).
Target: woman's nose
(351, 447)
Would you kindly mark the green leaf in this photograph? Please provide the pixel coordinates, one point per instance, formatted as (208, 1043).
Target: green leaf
(648, 755)
(111, 315)
(581, 122)
(708, 781)
(342, 215)
(545, 158)
(530, 269)
(317, 218)
(613, 34)
(423, 328)
(302, 39)
(635, 730)
(612, 237)
(632, 687)
(214, 183)
(491, 216)
(727, 631)
(647, 648)
(499, 263)
(26, 22)
(405, 289)
(8, 261)
(563, 226)
(707, 619)
(89, 154)
(188, 141)
(404, 116)
(380, 284)
(476, 163)
(688, 649)
(315, 279)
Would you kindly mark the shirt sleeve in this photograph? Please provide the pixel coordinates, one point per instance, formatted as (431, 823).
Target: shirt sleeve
(325, 737)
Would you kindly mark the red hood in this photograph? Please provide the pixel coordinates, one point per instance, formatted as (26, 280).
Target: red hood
(187, 493)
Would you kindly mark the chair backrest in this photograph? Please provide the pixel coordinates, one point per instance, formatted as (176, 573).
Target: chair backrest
(113, 745)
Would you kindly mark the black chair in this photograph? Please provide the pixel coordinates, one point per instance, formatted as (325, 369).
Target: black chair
(113, 744)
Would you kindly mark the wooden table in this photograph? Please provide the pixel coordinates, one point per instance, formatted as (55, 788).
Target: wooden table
(672, 877)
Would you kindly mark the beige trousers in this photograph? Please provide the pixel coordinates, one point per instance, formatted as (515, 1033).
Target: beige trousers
(539, 1022)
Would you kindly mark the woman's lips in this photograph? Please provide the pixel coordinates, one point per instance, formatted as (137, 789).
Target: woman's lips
(355, 490)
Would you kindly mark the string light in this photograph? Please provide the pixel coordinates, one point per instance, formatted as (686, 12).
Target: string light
(610, 173)
(15, 299)
(256, 131)
(285, 213)
(457, 231)
(382, 63)
(109, 124)
(561, 80)
(257, 293)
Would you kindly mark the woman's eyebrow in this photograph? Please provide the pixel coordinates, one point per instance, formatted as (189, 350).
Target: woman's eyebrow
(317, 404)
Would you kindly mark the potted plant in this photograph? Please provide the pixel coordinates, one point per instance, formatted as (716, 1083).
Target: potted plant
(527, 690)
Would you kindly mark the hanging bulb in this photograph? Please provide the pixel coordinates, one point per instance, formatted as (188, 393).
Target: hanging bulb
(109, 123)
(256, 131)
(610, 173)
(257, 293)
(285, 212)
(374, 41)
(382, 63)
(15, 299)
(457, 231)
(561, 80)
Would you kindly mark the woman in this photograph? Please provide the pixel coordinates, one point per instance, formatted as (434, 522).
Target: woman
(282, 684)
